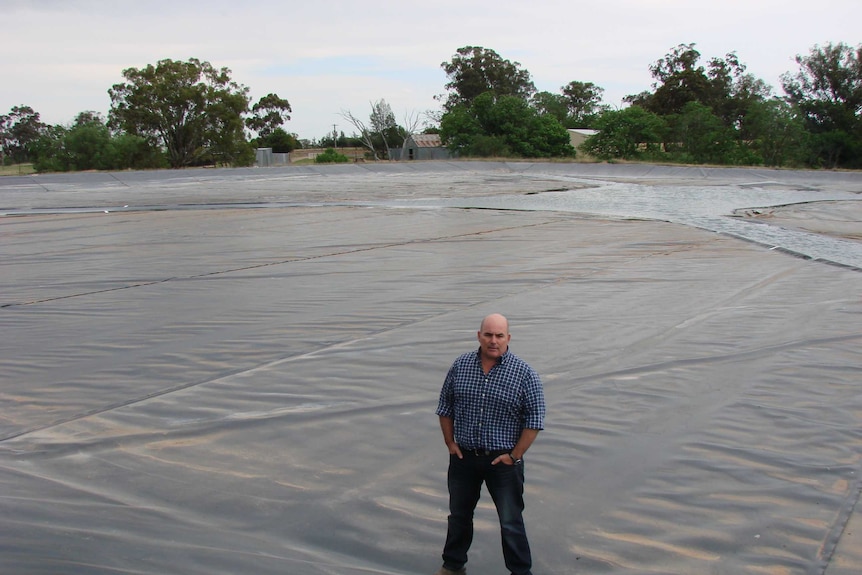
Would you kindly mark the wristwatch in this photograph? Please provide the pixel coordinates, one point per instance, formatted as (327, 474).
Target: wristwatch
(515, 461)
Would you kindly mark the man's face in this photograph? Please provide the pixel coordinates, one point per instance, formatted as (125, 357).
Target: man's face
(494, 338)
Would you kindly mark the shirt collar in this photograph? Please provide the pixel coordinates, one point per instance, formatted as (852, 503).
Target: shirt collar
(500, 360)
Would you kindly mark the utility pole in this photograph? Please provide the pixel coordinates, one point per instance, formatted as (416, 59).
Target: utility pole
(334, 137)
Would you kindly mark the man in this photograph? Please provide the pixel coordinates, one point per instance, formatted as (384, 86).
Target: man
(491, 408)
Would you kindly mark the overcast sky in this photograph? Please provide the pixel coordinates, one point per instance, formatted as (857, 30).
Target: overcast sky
(60, 57)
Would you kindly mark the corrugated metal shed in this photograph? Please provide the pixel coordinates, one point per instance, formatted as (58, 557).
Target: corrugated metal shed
(427, 140)
(424, 147)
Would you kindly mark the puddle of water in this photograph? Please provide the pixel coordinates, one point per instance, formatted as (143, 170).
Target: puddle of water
(709, 208)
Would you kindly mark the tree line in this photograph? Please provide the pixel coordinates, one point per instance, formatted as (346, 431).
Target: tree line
(189, 113)
(172, 114)
(699, 113)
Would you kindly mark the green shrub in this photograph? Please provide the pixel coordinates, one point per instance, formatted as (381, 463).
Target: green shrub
(330, 156)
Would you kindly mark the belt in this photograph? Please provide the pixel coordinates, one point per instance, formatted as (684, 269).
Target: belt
(484, 452)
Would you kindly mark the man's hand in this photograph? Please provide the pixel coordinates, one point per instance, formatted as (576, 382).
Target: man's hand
(447, 425)
(505, 459)
(455, 450)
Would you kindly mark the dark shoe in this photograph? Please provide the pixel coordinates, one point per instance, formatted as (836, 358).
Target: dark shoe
(445, 571)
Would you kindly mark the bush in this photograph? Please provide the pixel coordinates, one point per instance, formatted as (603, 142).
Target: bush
(503, 126)
(330, 156)
(136, 153)
(626, 134)
(488, 147)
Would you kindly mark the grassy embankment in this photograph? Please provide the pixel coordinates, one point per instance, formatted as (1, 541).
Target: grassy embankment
(17, 170)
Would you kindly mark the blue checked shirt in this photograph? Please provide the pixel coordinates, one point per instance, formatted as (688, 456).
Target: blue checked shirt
(490, 411)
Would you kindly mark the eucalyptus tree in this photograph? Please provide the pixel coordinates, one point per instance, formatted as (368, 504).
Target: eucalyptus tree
(475, 70)
(583, 101)
(723, 85)
(192, 109)
(576, 106)
(550, 104)
(19, 129)
(679, 79)
(268, 115)
(827, 91)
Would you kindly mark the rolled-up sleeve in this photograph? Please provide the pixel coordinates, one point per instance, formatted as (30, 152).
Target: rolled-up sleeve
(446, 403)
(534, 402)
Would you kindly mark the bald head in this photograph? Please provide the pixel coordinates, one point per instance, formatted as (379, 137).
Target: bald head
(493, 337)
(497, 320)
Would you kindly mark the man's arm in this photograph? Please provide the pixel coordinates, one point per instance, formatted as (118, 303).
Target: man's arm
(447, 425)
(528, 436)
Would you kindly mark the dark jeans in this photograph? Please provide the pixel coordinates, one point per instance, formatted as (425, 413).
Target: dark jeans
(506, 485)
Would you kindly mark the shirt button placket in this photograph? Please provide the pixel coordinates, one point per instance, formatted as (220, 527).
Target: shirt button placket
(482, 425)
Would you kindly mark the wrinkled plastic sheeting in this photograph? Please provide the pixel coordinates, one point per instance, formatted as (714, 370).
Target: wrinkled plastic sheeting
(253, 390)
